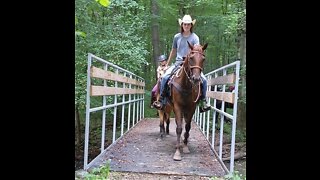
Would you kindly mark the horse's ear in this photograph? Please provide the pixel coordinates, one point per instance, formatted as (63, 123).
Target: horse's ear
(205, 46)
(191, 47)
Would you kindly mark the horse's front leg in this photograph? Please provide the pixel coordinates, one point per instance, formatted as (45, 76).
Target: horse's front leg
(177, 155)
(186, 135)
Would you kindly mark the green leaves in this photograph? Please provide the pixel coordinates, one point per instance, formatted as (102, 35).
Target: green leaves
(99, 173)
(80, 33)
(234, 176)
(104, 3)
(116, 34)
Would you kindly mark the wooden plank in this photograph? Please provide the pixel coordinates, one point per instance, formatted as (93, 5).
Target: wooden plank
(101, 90)
(228, 79)
(223, 96)
(103, 74)
(139, 145)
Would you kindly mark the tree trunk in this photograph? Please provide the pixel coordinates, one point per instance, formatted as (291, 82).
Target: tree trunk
(155, 33)
(78, 129)
(181, 9)
(241, 124)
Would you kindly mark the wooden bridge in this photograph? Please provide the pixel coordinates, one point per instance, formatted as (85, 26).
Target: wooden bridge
(142, 150)
(136, 144)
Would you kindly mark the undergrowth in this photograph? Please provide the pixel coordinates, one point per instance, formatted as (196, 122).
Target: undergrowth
(101, 173)
(232, 176)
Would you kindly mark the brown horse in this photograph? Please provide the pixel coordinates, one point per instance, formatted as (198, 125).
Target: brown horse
(164, 114)
(185, 92)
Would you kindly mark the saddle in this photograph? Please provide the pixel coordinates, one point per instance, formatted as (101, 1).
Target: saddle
(167, 90)
(174, 73)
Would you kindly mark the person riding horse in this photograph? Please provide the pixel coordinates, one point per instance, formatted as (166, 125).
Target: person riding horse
(185, 90)
(180, 48)
(162, 59)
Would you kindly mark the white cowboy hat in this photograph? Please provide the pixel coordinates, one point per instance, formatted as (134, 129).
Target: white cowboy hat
(187, 19)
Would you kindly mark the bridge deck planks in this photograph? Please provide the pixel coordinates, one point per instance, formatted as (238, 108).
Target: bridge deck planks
(142, 150)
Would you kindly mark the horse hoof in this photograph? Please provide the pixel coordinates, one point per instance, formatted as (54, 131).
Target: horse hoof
(186, 150)
(162, 136)
(177, 156)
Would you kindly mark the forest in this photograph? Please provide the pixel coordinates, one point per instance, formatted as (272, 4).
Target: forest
(133, 33)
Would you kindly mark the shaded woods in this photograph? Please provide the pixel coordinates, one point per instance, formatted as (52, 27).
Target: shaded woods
(132, 34)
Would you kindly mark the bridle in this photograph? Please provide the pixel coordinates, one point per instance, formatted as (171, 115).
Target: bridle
(191, 56)
(188, 74)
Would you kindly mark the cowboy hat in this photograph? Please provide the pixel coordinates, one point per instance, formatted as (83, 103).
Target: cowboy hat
(187, 19)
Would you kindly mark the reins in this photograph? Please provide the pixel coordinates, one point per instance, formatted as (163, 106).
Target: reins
(190, 68)
(178, 74)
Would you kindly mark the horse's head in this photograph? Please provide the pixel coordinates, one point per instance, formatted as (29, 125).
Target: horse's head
(195, 60)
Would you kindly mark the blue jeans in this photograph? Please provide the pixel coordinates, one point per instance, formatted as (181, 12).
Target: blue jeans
(167, 75)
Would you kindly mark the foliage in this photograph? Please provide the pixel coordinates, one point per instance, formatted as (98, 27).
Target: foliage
(148, 112)
(120, 32)
(232, 176)
(104, 3)
(113, 33)
(99, 173)
(240, 136)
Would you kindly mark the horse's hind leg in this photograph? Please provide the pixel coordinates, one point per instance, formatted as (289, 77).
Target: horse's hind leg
(161, 116)
(167, 122)
(186, 136)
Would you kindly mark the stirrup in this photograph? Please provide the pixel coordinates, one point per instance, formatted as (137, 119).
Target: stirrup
(158, 105)
(204, 109)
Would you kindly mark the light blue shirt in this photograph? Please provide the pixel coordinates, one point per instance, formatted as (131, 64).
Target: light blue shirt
(180, 43)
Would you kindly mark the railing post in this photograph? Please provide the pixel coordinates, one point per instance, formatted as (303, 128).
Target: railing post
(86, 144)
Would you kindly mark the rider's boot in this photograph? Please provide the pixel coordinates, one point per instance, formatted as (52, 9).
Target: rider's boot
(204, 106)
(153, 99)
(159, 104)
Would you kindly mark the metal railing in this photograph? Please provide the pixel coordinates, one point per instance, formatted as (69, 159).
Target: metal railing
(219, 77)
(123, 87)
